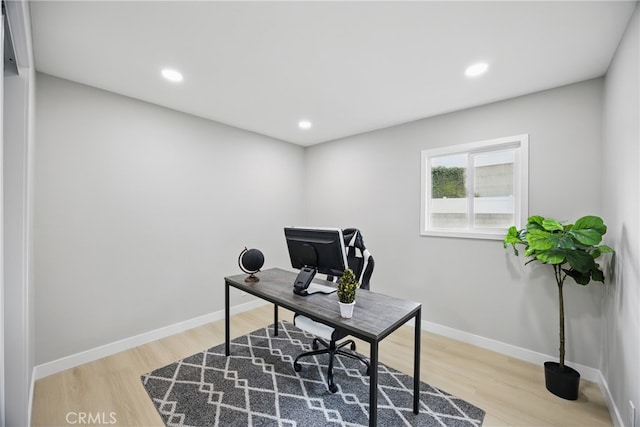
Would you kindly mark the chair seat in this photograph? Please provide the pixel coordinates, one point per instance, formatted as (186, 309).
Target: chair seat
(318, 329)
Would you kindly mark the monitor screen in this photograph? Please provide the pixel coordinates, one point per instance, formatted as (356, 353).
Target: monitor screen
(315, 250)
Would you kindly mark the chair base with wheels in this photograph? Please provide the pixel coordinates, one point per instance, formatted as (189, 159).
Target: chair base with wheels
(328, 338)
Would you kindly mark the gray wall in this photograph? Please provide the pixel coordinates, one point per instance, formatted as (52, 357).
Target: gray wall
(141, 211)
(372, 181)
(621, 195)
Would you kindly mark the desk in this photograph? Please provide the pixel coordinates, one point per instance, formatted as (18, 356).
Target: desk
(375, 316)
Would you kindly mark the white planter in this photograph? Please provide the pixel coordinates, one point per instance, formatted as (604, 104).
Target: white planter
(346, 310)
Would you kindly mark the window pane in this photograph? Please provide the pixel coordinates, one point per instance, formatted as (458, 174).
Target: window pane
(448, 204)
(475, 190)
(493, 202)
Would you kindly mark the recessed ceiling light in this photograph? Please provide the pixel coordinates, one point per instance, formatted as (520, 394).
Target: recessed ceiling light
(304, 124)
(476, 69)
(174, 76)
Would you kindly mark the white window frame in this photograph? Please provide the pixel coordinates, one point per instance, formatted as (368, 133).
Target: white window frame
(521, 186)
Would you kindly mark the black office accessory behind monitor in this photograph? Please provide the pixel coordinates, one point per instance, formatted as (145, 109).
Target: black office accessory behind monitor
(315, 250)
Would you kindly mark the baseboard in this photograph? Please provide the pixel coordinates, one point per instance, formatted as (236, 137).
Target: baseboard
(32, 385)
(616, 417)
(59, 365)
(520, 353)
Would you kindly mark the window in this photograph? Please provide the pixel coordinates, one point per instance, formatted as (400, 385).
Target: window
(475, 190)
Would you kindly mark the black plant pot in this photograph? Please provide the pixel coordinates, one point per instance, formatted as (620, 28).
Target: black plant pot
(562, 383)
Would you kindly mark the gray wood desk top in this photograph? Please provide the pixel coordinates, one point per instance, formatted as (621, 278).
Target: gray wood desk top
(374, 316)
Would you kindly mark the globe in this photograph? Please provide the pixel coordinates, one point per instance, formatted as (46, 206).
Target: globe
(251, 261)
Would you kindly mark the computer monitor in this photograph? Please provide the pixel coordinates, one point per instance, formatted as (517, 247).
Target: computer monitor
(315, 250)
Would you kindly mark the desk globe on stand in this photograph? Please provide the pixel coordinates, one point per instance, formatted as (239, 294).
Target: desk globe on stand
(251, 261)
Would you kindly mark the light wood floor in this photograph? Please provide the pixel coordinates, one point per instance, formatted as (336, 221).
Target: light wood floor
(511, 392)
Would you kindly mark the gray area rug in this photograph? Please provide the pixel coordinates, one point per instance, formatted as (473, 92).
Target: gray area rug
(257, 386)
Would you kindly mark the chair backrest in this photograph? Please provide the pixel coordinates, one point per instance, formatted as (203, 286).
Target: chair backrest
(358, 256)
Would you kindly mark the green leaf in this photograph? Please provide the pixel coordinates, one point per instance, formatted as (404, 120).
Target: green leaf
(551, 224)
(540, 240)
(587, 236)
(581, 261)
(535, 219)
(513, 236)
(604, 249)
(566, 242)
(597, 275)
(554, 256)
(578, 277)
(591, 222)
(534, 223)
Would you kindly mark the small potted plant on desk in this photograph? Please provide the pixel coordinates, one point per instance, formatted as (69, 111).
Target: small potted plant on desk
(571, 250)
(347, 286)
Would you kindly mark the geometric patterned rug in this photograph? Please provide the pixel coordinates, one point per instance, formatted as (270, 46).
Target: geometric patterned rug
(257, 386)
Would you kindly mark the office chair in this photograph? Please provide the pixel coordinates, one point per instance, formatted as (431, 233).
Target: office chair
(362, 263)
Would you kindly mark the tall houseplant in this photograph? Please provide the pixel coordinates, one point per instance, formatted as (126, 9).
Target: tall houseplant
(571, 250)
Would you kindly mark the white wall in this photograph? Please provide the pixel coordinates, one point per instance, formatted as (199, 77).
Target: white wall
(141, 211)
(17, 170)
(2, 367)
(621, 194)
(19, 336)
(372, 181)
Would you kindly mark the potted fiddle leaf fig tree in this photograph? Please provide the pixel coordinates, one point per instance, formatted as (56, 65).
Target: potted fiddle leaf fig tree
(347, 286)
(571, 250)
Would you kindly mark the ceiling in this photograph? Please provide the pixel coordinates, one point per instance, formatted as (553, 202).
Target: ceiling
(348, 67)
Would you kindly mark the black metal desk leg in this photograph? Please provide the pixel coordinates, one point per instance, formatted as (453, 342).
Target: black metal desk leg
(416, 362)
(373, 385)
(275, 320)
(226, 319)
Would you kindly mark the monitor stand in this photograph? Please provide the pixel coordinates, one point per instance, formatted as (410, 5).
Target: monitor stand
(303, 280)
